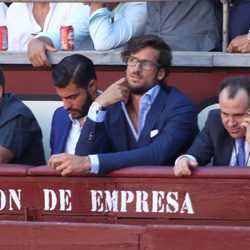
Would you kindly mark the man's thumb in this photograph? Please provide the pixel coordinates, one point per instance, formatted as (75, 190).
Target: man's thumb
(193, 164)
(50, 48)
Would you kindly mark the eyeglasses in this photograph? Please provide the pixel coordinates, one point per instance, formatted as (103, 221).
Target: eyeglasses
(145, 64)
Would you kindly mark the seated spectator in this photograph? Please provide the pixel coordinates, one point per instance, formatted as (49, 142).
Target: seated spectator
(20, 134)
(138, 120)
(226, 134)
(193, 25)
(75, 81)
(3, 9)
(109, 26)
(239, 27)
(26, 20)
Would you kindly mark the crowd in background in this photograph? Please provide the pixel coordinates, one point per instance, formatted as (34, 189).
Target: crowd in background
(194, 25)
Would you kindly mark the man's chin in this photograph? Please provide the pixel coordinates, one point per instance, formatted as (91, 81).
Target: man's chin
(236, 134)
(138, 91)
(76, 115)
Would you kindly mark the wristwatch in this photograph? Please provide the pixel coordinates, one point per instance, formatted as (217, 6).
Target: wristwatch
(96, 106)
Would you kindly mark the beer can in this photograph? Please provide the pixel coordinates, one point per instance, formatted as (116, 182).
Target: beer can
(67, 38)
(3, 38)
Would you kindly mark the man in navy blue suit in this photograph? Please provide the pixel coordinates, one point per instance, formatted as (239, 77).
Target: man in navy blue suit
(138, 120)
(74, 78)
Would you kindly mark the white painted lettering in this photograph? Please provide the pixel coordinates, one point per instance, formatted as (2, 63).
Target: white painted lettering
(111, 201)
(172, 198)
(2, 200)
(96, 196)
(119, 201)
(141, 201)
(15, 195)
(50, 199)
(157, 201)
(126, 197)
(65, 203)
(187, 205)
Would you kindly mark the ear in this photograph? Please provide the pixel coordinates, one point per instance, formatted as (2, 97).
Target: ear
(92, 89)
(161, 74)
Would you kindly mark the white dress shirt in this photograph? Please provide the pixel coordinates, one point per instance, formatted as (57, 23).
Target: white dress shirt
(111, 29)
(3, 9)
(23, 27)
(107, 29)
(73, 136)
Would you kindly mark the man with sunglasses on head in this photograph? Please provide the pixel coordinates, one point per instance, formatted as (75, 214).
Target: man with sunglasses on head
(138, 120)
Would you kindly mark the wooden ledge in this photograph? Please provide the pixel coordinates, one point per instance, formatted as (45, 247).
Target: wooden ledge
(112, 58)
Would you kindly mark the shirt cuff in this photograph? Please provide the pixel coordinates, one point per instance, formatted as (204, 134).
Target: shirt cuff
(94, 160)
(53, 36)
(96, 116)
(190, 157)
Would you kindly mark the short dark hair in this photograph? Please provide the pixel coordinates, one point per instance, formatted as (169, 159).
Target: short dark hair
(74, 68)
(234, 84)
(137, 43)
(2, 78)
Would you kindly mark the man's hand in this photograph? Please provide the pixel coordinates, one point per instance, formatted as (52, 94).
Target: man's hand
(37, 51)
(70, 164)
(6, 155)
(183, 166)
(116, 92)
(246, 126)
(240, 44)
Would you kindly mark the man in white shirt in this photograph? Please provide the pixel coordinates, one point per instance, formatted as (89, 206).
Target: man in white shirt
(108, 25)
(3, 9)
(226, 135)
(26, 21)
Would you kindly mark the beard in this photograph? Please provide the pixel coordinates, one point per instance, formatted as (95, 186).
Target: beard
(80, 113)
(138, 90)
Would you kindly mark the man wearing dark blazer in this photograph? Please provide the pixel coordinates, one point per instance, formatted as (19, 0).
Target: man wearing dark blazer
(138, 120)
(224, 130)
(74, 78)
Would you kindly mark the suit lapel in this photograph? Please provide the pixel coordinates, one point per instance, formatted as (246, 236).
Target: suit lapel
(153, 116)
(119, 128)
(225, 151)
(64, 133)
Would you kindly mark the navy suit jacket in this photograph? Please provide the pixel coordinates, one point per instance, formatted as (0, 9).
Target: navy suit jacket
(213, 142)
(60, 127)
(172, 114)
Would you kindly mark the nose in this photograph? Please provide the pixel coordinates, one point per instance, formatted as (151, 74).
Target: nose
(231, 121)
(66, 104)
(137, 66)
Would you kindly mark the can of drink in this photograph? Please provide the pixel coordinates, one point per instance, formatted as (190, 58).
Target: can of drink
(67, 38)
(3, 38)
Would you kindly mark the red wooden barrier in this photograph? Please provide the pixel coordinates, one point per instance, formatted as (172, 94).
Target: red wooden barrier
(46, 235)
(208, 210)
(136, 195)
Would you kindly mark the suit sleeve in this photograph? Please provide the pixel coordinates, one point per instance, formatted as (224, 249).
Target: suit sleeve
(52, 135)
(202, 148)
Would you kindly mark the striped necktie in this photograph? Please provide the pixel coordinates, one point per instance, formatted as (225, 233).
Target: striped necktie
(241, 161)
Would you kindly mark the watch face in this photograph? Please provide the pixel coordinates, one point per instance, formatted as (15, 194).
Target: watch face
(96, 106)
